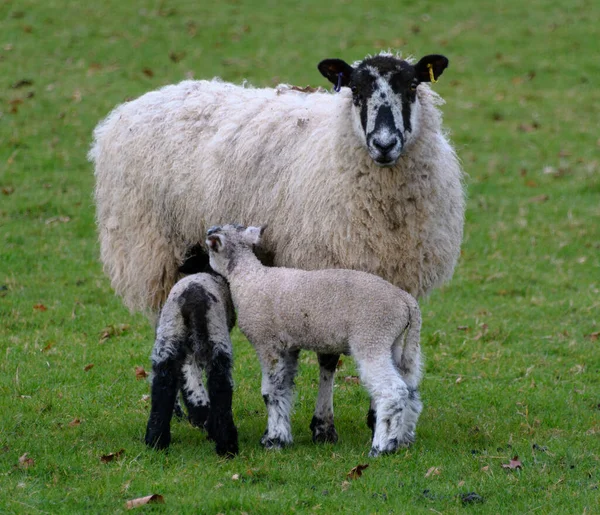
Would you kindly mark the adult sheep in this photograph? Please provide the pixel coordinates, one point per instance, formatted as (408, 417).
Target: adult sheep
(368, 172)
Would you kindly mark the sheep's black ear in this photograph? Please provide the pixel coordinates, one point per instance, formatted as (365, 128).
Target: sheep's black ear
(214, 242)
(338, 72)
(430, 67)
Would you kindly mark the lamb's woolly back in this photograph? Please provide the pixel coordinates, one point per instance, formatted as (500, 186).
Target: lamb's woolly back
(187, 156)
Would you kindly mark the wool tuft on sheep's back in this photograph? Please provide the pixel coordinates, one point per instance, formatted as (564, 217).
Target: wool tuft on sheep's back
(363, 179)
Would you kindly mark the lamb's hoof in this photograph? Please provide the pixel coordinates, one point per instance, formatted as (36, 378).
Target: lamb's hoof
(229, 448)
(390, 447)
(226, 440)
(198, 415)
(323, 432)
(158, 439)
(273, 443)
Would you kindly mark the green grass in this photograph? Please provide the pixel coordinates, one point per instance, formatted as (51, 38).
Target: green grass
(512, 360)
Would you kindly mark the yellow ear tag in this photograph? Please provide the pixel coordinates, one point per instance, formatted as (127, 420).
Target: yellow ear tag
(431, 75)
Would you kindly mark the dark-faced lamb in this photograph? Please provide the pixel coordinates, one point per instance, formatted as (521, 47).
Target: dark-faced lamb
(368, 170)
(284, 310)
(192, 336)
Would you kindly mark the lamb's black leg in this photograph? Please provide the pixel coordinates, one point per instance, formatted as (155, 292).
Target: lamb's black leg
(163, 394)
(220, 425)
(321, 424)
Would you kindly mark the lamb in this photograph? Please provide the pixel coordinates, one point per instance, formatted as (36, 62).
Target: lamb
(368, 172)
(283, 310)
(192, 335)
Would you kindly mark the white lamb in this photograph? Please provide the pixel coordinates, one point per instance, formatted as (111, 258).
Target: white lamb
(284, 310)
(366, 175)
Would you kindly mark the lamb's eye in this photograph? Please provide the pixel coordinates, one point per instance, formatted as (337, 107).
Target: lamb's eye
(413, 86)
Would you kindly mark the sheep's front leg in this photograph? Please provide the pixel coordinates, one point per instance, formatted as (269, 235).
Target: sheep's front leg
(322, 426)
(220, 425)
(278, 374)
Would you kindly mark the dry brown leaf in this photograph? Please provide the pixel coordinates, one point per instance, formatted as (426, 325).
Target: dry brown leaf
(88, 367)
(40, 307)
(8, 190)
(433, 471)
(352, 379)
(75, 422)
(539, 199)
(148, 72)
(25, 461)
(48, 347)
(140, 373)
(235, 477)
(107, 458)
(142, 501)
(593, 336)
(513, 464)
(357, 471)
(485, 469)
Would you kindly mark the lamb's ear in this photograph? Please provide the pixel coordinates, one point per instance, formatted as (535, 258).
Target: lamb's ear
(253, 234)
(338, 72)
(430, 67)
(214, 243)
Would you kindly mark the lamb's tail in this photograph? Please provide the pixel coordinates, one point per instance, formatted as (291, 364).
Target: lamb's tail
(407, 348)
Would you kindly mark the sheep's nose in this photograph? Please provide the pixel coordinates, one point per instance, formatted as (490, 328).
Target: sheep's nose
(384, 147)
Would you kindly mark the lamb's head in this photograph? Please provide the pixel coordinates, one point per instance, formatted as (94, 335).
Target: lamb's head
(386, 104)
(227, 243)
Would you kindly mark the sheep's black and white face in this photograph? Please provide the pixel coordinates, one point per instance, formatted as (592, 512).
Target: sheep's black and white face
(384, 92)
(226, 242)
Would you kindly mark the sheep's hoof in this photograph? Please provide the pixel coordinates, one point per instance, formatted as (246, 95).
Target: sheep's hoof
(389, 448)
(228, 448)
(273, 443)
(158, 439)
(198, 415)
(323, 432)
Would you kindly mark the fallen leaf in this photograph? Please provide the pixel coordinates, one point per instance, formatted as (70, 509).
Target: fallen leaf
(352, 379)
(48, 347)
(357, 471)
(8, 190)
(25, 461)
(593, 336)
(40, 307)
(470, 497)
(461, 483)
(433, 471)
(514, 464)
(459, 380)
(140, 373)
(539, 199)
(57, 219)
(107, 458)
(148, 72)
(88, 367)
(142, 501)
(112, 330)
(235, 477)
(75, 422)
(485, 469)
(22, 83)
(145, 398)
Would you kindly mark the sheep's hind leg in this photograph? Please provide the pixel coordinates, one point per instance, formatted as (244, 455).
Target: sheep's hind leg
(220, 425)
(194, 394)
(163, 394)
(277, 390)
(389, 397)
(322, 425)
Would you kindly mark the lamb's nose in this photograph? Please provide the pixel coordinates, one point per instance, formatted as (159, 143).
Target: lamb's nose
(385, 146)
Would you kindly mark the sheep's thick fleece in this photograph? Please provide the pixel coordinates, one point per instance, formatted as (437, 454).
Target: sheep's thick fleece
(175, 161)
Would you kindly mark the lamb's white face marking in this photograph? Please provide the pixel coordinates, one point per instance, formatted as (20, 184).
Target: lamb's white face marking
(386, 106)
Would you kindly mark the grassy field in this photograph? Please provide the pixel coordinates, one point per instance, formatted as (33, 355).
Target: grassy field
(512, 343)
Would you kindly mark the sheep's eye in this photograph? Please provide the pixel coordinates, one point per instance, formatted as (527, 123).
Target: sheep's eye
(353, 89)
(413, 86)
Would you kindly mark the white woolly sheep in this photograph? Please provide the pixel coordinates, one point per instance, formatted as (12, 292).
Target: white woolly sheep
(284, 310)
(193, 335)
(366, 175)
